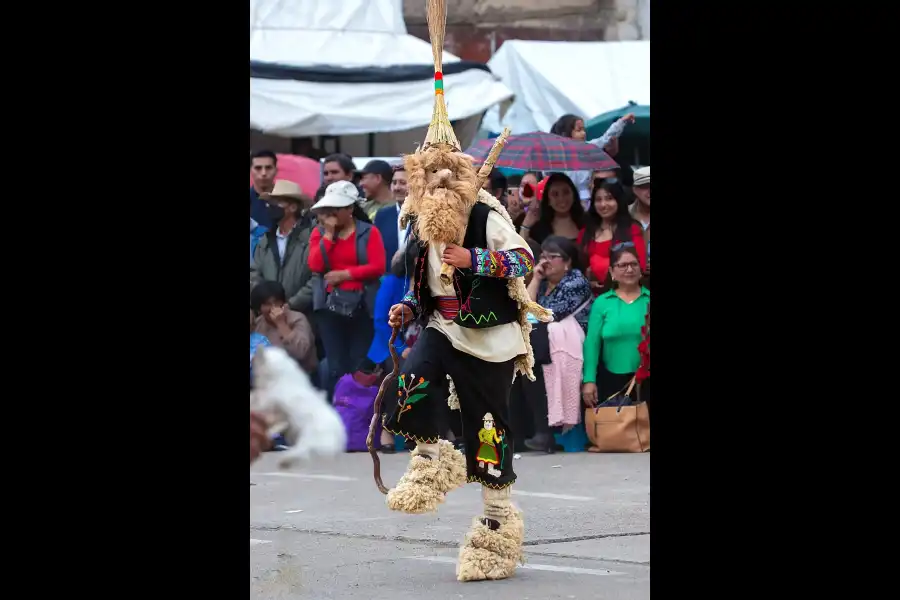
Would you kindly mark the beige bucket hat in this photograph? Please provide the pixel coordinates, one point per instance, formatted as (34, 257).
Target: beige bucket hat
(287, 190)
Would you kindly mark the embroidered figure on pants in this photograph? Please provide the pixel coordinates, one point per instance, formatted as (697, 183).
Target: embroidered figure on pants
(488, 456)
(407, 398)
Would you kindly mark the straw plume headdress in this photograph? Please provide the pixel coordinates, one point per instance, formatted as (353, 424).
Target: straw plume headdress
(440, 130)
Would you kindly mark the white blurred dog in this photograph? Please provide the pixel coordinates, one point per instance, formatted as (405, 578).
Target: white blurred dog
(286, 397)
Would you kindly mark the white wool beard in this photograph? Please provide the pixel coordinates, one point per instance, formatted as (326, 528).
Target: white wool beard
(437, 210)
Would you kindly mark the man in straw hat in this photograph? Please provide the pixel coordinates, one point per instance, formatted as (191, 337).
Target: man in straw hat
(468, 287)
(281, 254)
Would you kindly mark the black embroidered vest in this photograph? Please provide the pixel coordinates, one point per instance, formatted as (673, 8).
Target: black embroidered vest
(484, 301)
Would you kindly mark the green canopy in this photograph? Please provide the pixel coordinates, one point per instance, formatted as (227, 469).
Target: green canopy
(640, 128)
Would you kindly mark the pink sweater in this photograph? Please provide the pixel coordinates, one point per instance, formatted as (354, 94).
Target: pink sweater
(564, 390)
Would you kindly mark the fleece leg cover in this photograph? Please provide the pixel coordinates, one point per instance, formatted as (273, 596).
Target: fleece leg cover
(433, 470)
(489, 552)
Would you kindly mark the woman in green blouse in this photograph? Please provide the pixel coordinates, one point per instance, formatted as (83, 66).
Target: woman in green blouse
(614, 329)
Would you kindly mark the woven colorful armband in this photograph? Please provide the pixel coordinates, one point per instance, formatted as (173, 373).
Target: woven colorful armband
(505, 264)
(410, 300)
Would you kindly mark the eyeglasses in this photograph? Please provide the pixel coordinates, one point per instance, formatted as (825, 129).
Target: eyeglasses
(549, 256)
(629, 265)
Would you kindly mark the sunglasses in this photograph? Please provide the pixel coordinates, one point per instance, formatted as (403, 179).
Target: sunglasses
(601, 180)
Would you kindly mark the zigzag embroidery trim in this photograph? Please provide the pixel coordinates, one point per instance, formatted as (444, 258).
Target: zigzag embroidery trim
(479, 319)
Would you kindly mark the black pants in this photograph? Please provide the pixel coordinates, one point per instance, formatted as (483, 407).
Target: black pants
(520, 415)
(346, 341)
(483, 390)
(535, 393)
(610, 383)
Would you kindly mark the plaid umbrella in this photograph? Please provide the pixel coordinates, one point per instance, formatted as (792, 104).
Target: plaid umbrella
(539, 151)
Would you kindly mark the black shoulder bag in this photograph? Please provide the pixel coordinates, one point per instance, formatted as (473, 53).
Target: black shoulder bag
(341, 302)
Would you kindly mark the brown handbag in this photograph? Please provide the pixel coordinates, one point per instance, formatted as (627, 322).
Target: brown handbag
(620, 428)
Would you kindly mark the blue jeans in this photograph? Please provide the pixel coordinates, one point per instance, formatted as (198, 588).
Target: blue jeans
(346, 341)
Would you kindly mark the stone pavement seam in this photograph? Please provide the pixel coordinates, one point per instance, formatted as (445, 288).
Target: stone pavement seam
(380, 538)
(581, 538)
(589, 558)
(436, 543)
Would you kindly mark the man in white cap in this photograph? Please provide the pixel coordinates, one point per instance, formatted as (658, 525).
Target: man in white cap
(640, 209)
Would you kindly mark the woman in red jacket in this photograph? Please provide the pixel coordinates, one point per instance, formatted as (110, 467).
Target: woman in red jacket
(608, 224)
(346, 256)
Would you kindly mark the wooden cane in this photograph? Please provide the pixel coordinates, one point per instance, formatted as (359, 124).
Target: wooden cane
(370, 439)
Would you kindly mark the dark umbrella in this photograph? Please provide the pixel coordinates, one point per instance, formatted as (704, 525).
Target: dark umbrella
(539, 151)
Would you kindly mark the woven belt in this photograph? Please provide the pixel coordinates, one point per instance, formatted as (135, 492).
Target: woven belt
(448, 306)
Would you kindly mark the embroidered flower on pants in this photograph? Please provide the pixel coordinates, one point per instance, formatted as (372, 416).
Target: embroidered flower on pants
(405, 393)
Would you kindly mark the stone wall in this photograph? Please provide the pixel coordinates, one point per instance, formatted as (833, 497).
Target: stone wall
(474, 25)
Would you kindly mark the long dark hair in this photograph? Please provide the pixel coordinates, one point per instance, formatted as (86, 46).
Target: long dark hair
(565, 125)
(544, 226)
(623, 219)
(359, 214)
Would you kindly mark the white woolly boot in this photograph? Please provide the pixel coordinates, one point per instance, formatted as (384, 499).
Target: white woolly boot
(433, 470)
(493, 545)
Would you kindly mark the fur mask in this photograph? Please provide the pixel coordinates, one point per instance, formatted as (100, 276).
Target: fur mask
(441, 192)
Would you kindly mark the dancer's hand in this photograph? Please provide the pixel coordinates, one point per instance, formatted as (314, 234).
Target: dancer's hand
(457, 256)
(589, 394)
(400, 315)
(259, 441)
(629, 118)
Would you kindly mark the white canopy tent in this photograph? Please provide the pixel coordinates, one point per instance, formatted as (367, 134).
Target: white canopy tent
(342, 49)
(550, 79)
